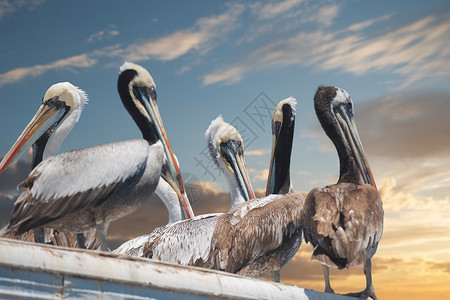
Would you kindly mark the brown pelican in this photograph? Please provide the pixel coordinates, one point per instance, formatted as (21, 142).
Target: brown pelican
(259, 237)
(344, 221)
(227, 151)
(78, 190)
(187, 242)
(283, 123)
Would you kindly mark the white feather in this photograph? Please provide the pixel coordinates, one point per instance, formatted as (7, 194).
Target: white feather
(59, 176)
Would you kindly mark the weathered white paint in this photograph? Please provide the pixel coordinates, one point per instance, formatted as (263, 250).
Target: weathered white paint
(41, 272)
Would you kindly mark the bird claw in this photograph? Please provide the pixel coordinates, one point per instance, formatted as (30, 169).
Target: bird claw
(363, 295)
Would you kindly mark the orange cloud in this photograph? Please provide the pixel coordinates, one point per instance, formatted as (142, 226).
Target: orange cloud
(259, 152)
(259, 175)
(394, 277)
(211, 186)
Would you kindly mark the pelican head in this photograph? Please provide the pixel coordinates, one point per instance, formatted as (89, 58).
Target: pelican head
(60, 109)
(334, 108)
(138, 93)
(227, 151)
(283, 122)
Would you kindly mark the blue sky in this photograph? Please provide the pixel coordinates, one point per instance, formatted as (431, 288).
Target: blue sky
(216, 59)
(209, 58)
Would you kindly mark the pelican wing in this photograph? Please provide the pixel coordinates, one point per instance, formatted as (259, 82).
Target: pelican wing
(74, 180)
(185, 242)
(69, 239)
(135, 247)
(253, 229)
(344, 223)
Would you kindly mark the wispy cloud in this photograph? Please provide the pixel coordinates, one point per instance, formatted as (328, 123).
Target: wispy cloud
(79, 61)
(397, 198)
(413, 52)
(206, 34)
(259, 175)
(226, 76)
(102, 35)
(368, 23)
(212, 186)
(259, 152)
(273, 10)
(445, 266)
(327, 14)
(8, 7)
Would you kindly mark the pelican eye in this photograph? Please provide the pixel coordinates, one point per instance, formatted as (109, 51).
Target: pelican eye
(240, 147)
(350, 107)
(225, 154)
(153, 92)
(55, 102)
(144, 92)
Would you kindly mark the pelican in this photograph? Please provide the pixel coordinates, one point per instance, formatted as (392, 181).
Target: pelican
(226, 148)
(170, 198)
(344, 221)
(81, 189)
(177, 209)
(283, 123)
(60, 109)
(259, 237)
(46, 141)
(187, 242)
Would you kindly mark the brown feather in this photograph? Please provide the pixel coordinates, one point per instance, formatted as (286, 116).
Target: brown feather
(260, 241)
(344, 223)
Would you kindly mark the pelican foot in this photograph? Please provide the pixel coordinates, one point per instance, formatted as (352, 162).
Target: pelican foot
(81, 240)
(276, 276)
(363, 295)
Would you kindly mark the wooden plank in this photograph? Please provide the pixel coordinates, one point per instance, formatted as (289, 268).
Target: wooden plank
(38, 271)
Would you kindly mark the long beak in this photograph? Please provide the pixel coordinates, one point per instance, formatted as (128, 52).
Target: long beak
(183, 199)
(240, 170)
(44, 119)
(351, 132)
(271, 178)
(172, 174)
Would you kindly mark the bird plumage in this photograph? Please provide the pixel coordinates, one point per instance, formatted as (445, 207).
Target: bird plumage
(344, 221)
(259, 237)
(54, 189)
(87, 188)
(188, 242)
(61, 108)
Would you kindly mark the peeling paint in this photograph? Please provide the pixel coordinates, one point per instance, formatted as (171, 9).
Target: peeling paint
(35, 271)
